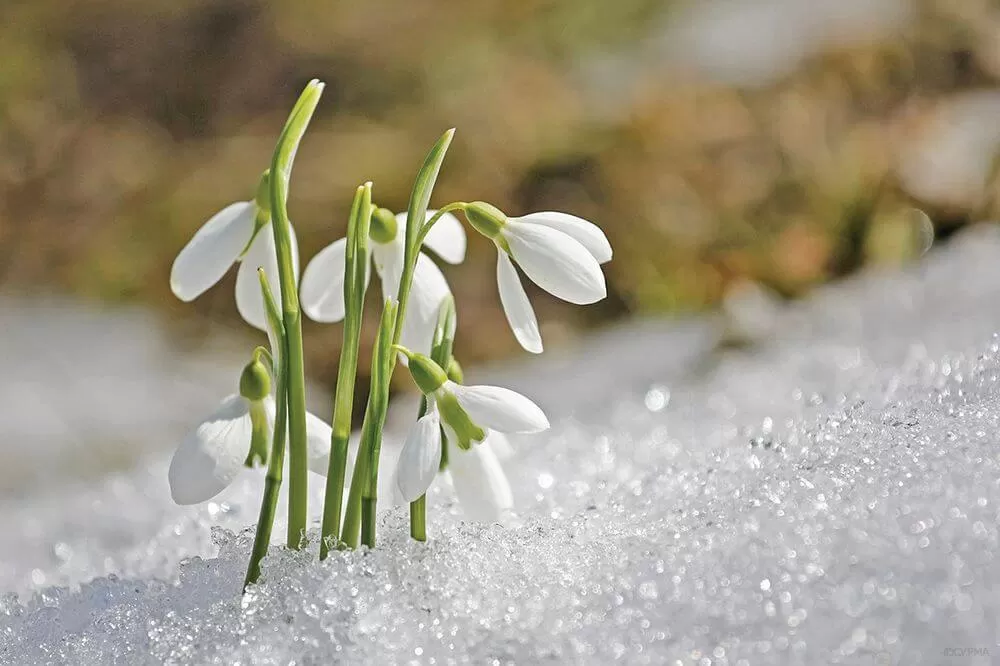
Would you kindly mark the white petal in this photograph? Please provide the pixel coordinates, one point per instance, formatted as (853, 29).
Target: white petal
(586, 233)
(446, 238)
(500, 444)
(480, 483)
(517, 307)
(212, 455)
(214, 248)
(556, 262)
(388, 260)
(499, 408)
(322, 289)
(318, 433)
(419, 458)
(428, 290)
(262, 254)
(397, 494)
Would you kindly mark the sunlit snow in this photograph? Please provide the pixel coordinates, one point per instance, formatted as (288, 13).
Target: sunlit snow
(828, 496)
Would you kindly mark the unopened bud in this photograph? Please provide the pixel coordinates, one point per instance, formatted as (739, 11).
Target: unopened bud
(455, 372)
(486, 218)
(255, 382)
(263, 196)
(427, 374)
(383, 227)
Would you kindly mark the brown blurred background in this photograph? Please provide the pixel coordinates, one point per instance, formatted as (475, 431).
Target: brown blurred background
(787, 142)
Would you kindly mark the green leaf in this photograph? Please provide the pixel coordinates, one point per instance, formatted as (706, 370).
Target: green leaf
(382, 366)
(423, 187)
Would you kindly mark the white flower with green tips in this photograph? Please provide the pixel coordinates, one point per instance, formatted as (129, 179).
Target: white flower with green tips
(237, 434)
(239, 233)
(466, 414)
(322, 289)
(561, 253)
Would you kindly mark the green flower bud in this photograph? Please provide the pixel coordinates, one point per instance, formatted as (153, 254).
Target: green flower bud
(455, 372)
(383, 226)
(263, 196)
(255, 382)
(458, 420)
(427, 374)
(485, 218)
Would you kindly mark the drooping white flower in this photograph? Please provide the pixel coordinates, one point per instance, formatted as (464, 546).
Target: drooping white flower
(239, 233)
(468, 415)
(420, 458)
(479, 481)
(211, 456)
(496, 408)
(561, 253)
(322, 290)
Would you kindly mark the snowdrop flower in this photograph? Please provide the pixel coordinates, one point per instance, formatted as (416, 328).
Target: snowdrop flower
(467, 414)
(561, 253)
(322, 292)
(239, 233)
(237, 434)
(479, 481)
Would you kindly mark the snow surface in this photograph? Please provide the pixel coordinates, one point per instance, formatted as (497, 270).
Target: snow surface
(828, 496)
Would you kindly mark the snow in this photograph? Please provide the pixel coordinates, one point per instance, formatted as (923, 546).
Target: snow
(829, 495)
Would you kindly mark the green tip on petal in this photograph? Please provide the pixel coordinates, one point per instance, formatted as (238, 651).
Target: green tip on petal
(458, 421)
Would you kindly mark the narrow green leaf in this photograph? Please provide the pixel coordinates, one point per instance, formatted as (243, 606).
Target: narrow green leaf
(293, 363)
(343, 406)
(420, 198)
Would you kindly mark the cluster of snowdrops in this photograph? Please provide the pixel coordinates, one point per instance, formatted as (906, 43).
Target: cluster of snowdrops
(460, 428)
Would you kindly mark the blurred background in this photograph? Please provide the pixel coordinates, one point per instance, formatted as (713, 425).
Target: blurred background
(780, 142)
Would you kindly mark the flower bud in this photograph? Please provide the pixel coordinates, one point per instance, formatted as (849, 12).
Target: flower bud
(455, 372)
(255, 382)
(427, 374)
(383, 227)
(485, 218)
(263, 196)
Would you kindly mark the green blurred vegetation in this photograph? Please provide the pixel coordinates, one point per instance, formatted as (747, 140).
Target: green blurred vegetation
(124, 125)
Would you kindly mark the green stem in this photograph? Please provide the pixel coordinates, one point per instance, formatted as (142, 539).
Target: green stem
(370, 448)
(382, 362)
(294, 366)
(418, 507)
(368, 521)
(343, 406)
(272, 485)
(351, 530)
(364, 482)
(441, 347)
(276, 460)
(418, 518)
(425, 229)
